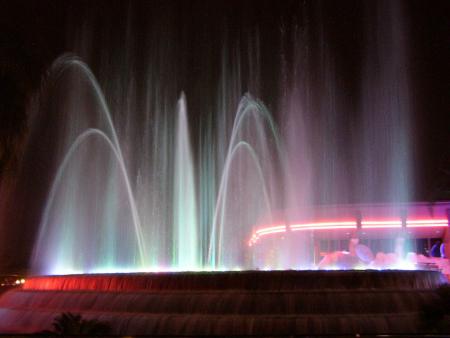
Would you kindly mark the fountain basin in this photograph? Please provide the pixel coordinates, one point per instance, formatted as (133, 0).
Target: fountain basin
(227, 303)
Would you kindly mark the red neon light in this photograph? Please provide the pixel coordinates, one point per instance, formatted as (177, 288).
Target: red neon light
(326, 228)
(266, 231)
(336, 225)
(333, 225)
(429, 223)
(271, 232)
(381, 224)
(270, 229)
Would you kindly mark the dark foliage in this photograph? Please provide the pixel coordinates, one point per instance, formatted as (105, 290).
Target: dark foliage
(73, 324)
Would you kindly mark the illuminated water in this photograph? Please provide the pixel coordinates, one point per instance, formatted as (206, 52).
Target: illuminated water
(142, 182)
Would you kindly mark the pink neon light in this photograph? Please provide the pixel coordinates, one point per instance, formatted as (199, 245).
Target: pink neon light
(325, 228)
(301, 227)
(269, 229)
(433, 221)
(346, 225)
(324, 224)
(266, 231)
(382, 226)
(427, 223)
(381, 222)
(270, 232)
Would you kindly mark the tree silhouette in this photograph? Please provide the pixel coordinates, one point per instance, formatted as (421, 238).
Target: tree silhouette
(73, 324)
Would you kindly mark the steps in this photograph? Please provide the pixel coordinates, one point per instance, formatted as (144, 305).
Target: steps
(232, 303)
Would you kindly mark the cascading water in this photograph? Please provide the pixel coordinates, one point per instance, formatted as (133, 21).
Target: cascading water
(275, 303)
(68, 215)
(142, 183)
(250, 160)
(185, 206)
(245, 195)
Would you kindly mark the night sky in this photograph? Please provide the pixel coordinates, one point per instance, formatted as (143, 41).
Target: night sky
(34, 33)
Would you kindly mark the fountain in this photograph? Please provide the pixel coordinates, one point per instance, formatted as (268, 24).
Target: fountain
(155, 205)
(166, 195)
(120, 242)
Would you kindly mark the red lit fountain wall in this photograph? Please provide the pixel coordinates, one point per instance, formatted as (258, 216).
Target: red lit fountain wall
(227, 303)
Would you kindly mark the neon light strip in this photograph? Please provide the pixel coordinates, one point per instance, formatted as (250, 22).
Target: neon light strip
(266, 231)
(301, 227)
(324, 224)
(325, 227)
(347, 225)
(271, 232)
(269, 229)
(428, 223)
(382, 226)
